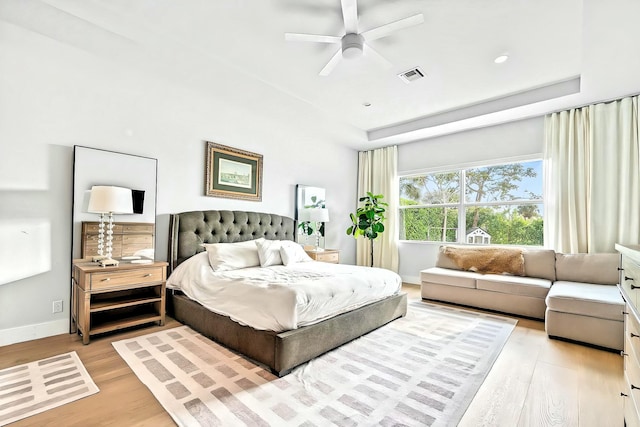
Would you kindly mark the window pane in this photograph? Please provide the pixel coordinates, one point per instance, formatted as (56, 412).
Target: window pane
(431, 224)
(504, 182)
(437, 188)
(509, 224)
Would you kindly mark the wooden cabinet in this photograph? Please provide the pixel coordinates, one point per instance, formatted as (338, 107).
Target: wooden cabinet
(106, 299)
(630, 288)
(128, 238)
(328, 255)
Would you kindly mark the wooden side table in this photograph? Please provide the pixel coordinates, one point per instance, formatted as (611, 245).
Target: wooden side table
(328, 255)
(106, 299)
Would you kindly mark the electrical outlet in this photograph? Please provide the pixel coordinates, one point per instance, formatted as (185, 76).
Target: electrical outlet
(57, 306)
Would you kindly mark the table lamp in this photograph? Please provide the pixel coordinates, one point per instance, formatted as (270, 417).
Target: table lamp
(108, 200)
(316, 215)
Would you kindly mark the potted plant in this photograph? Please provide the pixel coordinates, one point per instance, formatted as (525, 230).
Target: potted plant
(368, 219)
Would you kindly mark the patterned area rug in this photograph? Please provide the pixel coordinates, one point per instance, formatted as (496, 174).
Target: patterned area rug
(420, 370)
(35, 387)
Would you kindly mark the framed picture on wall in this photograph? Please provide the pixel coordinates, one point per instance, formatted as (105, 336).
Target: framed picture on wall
(233, 173)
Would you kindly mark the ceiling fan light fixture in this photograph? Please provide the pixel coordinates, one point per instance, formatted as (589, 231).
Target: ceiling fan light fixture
(352, 45)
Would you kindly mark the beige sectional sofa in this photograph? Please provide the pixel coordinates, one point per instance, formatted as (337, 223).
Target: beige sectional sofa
(574, 293)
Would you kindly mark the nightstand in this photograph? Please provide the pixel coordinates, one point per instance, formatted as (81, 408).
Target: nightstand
(328, 255)
(106, 299)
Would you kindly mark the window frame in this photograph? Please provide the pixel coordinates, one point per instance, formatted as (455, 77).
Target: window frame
(463, 205)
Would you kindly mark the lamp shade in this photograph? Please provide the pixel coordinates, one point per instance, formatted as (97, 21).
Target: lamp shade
(315, 215)
(109, 199)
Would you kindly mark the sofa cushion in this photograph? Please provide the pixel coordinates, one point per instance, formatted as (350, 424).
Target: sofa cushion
(443, 261)
(445, 276)
(537, 262)
(587, 268)
(587, 299)
(486, 260)
(540, 263)
(528, 286)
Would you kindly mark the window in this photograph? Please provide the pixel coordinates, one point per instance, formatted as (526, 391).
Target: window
(499, 204)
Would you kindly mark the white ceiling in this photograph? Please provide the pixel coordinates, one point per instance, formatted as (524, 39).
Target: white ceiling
(555, 48)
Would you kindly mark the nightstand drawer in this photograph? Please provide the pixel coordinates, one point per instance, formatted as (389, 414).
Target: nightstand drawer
(111, 279)
(137, 228)
(328, 255)
(94, 227)
(333, 257)
(137, 239)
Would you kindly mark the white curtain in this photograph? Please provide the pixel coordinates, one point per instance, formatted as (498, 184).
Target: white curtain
(378, 173)
(592, 185)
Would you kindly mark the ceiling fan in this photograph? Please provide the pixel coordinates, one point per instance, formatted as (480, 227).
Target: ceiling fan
(355, 44)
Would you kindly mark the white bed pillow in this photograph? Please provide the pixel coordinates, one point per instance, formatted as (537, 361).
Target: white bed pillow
(292, 253)
(269, 252)
(188, 270)
(232, 256)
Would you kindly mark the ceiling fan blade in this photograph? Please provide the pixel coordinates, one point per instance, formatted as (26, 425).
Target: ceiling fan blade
(332, 63)
(372, 53)
(350, 16)
(385, 30)
(296, 37)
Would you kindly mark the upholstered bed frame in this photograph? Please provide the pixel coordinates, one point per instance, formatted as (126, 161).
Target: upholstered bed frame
(282, 351)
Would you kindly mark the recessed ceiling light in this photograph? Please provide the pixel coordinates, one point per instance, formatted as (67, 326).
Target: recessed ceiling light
(500, 59)
(366, 104)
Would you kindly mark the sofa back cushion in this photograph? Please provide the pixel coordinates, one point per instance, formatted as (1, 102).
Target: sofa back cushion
(588, 268)
(537, 263)
(540, 263)
(443, 261)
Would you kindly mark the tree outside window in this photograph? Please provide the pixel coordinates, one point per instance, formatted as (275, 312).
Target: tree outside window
(503, 201)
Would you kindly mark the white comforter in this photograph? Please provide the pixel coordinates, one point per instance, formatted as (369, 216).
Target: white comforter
(281, 298)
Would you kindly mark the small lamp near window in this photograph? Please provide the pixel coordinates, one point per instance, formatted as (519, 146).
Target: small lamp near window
(108, 200)
(317, 216)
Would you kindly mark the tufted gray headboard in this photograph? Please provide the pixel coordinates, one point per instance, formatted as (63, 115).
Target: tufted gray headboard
(188, 230)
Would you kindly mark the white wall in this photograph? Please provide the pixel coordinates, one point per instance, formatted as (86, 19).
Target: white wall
(54, 95)
(511, 140)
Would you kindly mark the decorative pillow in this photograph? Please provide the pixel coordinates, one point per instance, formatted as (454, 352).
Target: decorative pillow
(291, 253)
(232, 256)
(269, 252)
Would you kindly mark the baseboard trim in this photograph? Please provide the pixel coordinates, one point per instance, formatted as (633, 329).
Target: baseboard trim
(33, 332)
(414, 280)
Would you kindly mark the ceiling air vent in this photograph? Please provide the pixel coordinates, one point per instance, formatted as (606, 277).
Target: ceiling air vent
(411, 75)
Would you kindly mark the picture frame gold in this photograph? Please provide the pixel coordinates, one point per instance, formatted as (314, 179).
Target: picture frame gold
(232, 173)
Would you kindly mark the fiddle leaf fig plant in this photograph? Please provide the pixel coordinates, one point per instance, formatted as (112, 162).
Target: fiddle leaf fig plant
(368, 221)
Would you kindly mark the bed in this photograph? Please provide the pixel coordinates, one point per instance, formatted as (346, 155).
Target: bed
(279, 351)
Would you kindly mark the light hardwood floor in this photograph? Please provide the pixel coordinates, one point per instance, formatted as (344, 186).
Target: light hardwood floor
(534, 382)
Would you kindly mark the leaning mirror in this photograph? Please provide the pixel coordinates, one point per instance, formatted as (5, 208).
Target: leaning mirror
(133, 232)
(311, 215)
